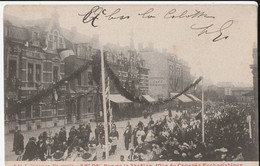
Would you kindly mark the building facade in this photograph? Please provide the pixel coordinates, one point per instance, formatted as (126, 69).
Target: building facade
(32, 63)
(167, 73)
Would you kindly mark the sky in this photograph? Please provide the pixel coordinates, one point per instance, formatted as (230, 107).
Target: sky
(226, 60)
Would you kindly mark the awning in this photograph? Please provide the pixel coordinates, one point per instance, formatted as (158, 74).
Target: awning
(182, 98)
(117, 98)
(193, 97)
(148, 98)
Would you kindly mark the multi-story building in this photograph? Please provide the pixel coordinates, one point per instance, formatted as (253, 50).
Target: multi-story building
(241, 94)
(167, 74)
(32, 63)
(82, 107)
(130, 68)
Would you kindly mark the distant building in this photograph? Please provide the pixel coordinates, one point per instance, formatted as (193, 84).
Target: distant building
(242, 94)
(166, 73)
(254, 68)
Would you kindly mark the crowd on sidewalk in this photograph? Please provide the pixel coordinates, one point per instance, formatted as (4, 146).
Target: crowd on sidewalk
(176, 136)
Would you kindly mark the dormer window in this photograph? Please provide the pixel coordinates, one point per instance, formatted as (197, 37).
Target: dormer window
(55, 41)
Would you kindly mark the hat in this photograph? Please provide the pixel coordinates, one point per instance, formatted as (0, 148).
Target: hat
(176, 152)
(198, 156)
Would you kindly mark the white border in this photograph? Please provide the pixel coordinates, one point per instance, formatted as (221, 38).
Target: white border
(2, 4)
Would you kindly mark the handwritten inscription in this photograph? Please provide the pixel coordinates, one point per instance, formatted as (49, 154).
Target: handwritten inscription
(186, 14)
(147, 14)
(97, 12)
(207, 30)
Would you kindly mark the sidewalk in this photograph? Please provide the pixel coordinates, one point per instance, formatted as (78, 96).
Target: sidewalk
(10, 156)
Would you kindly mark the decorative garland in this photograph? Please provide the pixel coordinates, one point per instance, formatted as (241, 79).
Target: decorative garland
(45, 92)
(97, 73)
(129, 96)
(72, 98)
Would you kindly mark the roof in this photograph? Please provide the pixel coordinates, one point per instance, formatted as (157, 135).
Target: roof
(251, 93)
(148, 98)
(18, 33)
(182, 98)
(75, 37)
(193, 97)
(42, 24)
(117, 98)
(242, 89)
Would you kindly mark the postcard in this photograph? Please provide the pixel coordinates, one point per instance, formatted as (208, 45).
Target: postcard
(130, 84)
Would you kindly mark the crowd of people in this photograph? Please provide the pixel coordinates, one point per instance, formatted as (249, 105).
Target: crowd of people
(176, 136)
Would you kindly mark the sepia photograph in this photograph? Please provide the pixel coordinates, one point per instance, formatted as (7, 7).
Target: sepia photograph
(130, 82)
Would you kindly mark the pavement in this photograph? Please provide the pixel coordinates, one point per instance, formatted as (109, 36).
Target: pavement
(10, 156)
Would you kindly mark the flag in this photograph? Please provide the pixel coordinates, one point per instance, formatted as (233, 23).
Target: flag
(196, 80)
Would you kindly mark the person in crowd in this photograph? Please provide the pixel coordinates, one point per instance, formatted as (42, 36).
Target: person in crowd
(19, 142)
(140, 134)
(31, 150)
(132, 156)
(62, 136)
(42, 148)
(114, 136)
(122, 158)
(128, 136)
(15, 138)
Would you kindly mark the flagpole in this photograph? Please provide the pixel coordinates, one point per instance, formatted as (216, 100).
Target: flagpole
(104, 100)
(202, 112)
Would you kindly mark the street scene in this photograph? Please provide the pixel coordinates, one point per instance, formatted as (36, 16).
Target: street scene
(72, 94)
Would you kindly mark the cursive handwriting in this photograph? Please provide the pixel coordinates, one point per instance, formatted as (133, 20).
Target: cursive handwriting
(206, 30)
(94, 14)
(113, 15)
(184, 14)
(147, 14)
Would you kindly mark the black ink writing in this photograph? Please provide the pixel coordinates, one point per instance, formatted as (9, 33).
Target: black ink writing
(207, 30)
(197, 14)
(114, 16)
(93, 15)
(147, 14)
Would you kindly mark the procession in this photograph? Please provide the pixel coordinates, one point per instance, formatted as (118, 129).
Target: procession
(174, 136)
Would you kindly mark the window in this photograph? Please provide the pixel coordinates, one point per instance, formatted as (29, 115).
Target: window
(38, 73)
(90, 105)
(36, 111)
(30, 75)
(51, 37)
(28, 112)
(12, 68)
(50, 45)
(79, 79)
(55, 73)
(90, 78)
